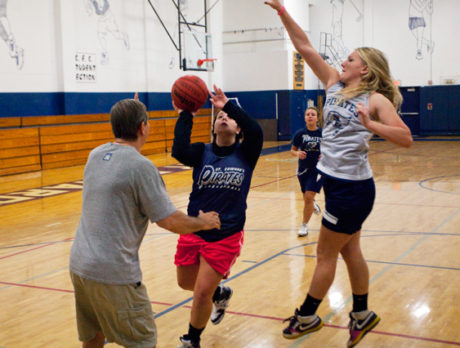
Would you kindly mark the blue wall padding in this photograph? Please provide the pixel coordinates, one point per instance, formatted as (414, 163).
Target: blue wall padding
(443, 118)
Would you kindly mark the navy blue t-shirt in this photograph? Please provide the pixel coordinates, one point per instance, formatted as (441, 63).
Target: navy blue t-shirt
(308, 141)
(221, 184)
(221, 174)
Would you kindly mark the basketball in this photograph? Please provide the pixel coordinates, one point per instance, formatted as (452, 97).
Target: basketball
(189, 93)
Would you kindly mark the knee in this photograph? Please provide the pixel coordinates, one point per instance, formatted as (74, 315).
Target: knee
(202, 295)
(324, 257)
(184, 284)
(308, 198)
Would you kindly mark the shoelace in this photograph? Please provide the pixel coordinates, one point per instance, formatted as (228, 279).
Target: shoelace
(290, 319)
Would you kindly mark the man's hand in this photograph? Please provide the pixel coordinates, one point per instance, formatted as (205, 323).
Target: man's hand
(211, 219)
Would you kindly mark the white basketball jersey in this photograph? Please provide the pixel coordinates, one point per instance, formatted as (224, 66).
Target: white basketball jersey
(345, 140)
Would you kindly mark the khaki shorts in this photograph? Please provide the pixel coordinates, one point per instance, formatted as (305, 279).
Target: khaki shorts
(123, 313)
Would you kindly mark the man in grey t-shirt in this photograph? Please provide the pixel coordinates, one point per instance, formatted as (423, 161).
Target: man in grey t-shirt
(122, 191)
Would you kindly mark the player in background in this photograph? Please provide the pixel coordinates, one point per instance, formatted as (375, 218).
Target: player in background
(306, 146)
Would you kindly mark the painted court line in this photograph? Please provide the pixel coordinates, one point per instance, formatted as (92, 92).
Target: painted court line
(380, 274)
(32, 249)
(387, 262)
(183, 303)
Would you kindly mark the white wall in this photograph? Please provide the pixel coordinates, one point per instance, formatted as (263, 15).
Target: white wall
(56, 35)
(249, 42)
(384, 25)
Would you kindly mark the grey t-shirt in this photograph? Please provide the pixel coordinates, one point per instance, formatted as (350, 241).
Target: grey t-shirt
(122, 190)
(345, 141)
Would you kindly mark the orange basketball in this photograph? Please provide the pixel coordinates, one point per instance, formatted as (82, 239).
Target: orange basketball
(189, 92)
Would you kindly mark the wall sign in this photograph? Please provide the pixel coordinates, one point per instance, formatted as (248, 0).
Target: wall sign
(85, 67)
(298, 71)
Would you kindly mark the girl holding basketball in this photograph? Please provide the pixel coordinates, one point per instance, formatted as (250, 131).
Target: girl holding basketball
(360, 101)
(306, 146)
(222, 174)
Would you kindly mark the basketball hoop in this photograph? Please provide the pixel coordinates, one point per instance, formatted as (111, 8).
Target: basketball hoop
(201, 61)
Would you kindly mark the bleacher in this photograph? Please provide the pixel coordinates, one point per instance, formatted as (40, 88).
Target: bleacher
(41, 142)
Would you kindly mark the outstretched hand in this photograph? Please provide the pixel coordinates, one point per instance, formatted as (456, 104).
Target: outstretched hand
(218, 98)
(275, 4)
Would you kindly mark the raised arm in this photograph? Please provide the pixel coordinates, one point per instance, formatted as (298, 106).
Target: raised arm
(182, 150)
(326, 74)
(253, 137)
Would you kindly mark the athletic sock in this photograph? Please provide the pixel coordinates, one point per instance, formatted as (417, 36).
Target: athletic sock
(194, 333)
(359, 303)
(309, 306)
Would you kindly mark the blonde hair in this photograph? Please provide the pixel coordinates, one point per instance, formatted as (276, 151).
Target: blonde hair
(377, 79)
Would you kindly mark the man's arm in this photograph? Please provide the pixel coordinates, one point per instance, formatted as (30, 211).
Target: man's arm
(180, 223)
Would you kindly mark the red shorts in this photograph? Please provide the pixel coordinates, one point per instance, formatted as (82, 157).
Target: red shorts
(220, 255)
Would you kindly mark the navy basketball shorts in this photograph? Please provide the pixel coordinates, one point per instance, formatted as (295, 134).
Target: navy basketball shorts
(348, 203)
(310, 180)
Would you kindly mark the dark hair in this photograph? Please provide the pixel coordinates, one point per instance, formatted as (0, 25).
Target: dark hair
(126, 117)
(238, 137)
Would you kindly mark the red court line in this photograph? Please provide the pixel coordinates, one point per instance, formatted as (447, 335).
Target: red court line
(32, 249)
(35, 287)
(260, 316)
(346, 328)
(63, 290)
(400, 335)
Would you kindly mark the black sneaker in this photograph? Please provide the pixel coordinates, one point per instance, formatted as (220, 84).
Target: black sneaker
(299, 326)
(186, 342)
(219, 306)
(359, 328)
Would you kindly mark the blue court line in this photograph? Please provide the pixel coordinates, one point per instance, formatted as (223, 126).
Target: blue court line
(37, 277)
(389, 232)
(378, 275)
(180, 304)
(421, 182)
(387, 262)
(35, 244)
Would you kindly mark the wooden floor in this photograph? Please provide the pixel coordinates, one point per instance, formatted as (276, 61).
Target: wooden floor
(411, 242)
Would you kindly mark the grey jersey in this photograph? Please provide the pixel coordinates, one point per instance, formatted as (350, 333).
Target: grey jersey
(345, 140)
(122, 190)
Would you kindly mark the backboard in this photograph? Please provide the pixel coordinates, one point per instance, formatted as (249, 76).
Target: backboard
(197, 52)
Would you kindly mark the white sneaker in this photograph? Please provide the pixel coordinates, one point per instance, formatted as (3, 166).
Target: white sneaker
(303, 230)
(316, 208)
(219, 306)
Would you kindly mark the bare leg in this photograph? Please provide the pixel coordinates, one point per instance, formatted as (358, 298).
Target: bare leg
(330, 243)
(356, 265)
(96, 342)
(206, 283)
(186, 276)
(308, 198)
